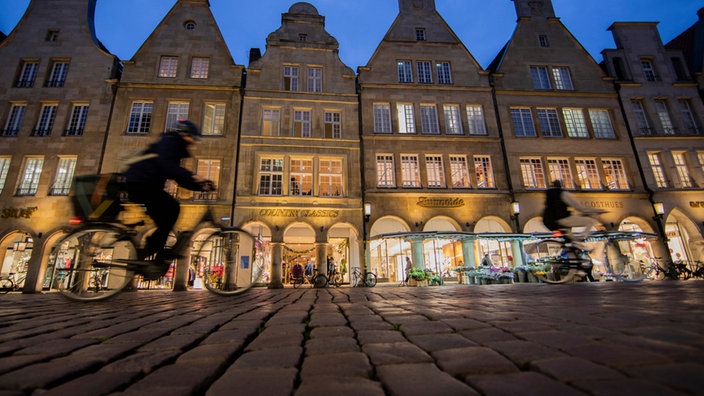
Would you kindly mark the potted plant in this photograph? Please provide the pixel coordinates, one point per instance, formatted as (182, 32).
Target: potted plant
(417, 277)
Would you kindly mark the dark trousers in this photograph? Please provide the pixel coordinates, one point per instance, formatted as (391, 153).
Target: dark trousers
(161, 207)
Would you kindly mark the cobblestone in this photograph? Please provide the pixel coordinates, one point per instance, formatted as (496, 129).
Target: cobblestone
(523, 339)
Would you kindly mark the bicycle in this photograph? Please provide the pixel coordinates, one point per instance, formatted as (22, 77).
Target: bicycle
(628, 275)
(368, 279)
(655, 271)
(317, 280)
(6, 283)
(103, 261)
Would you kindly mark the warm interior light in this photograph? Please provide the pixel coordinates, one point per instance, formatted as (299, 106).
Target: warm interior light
(659, 208)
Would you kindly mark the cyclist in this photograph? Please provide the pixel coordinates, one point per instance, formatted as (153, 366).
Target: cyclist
(145, 185)
(557, 215)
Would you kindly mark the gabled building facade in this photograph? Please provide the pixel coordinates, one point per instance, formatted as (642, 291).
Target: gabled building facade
(57, 86)
(661, 102)
(298, 182)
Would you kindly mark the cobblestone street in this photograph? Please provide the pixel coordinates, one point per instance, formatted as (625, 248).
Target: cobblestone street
(522, 339)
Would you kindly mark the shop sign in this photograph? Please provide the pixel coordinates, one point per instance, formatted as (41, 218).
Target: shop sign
(17, 213)
(299, 213)
(603, 204)
(696, 204)
(440, 202)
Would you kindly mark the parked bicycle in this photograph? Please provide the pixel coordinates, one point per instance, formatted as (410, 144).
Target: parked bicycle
(656, 269)
(368, 279)
(99, 258)
(317, 280)
(11, 282)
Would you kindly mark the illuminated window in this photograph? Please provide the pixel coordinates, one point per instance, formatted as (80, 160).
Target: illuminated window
(615, 174)
(453, 123)
(168, 65)
(601, 123)
(214, 119)
(410, 171)
(656, 167)
(522, 122)
(549, 123)
(301, 123)
(382, 118)
(208, 169)
(406, 120)
(200, 67)
(331, 178)
(301, 177)
(333, 125)
(385, 172)
(475, 120)
(290, 78)
(483, 171)
(576, 125)
(435, 171)
(429, 119)
(587, 174)
(64, 176)
(271, 122)
(533, 173)
(4, 167)
(140, 118)
(459, 171)
(176, 111)
(271, 175)
(563, 81)
(664, 117)
(31, 171)
(77, 120)
(685, 181)
(559, 169)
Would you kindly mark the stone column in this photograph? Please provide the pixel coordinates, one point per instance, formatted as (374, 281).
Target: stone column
(34, 281)
(517, 250)
(417, 253)
(468, 253)
(276, 255)
(181, 273)
(321, 250)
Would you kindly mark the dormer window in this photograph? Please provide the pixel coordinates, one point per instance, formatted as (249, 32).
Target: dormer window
(52, 35)
(543, 41)
(302, 37)
(189, 25)
(420, 34)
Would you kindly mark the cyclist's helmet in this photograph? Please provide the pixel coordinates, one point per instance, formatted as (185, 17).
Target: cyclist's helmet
(189, 128)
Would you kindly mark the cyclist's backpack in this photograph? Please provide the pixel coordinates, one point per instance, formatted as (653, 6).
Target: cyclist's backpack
(98, 197)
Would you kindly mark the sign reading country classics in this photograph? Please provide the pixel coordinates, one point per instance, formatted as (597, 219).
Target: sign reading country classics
(299, 213)
(440, 202)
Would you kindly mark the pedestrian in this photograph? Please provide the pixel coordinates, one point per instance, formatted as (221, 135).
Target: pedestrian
(486, 261)
(409, 266)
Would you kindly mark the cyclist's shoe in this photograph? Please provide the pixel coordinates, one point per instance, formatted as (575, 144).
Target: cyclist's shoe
(153, 270)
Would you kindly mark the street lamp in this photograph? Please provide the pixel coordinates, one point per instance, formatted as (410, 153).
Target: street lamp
(659, 208)
(515, 211)
(367, 211)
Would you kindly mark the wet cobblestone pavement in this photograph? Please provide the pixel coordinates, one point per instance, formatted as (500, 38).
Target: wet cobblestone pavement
(523, 339)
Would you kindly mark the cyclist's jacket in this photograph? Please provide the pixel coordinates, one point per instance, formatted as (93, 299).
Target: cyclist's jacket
(154, 172)
(555, 208)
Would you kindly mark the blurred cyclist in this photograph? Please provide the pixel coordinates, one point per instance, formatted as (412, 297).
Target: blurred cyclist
(557, 215)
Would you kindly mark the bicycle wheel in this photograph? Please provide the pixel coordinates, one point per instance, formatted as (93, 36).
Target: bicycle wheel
(336, 280)
(320, 281)
(557, 272)
(370, 279)
(89, 262)
(297, 282)
(232, 261)
(6, 285)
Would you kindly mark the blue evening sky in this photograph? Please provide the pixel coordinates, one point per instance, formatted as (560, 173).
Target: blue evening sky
(359, 25)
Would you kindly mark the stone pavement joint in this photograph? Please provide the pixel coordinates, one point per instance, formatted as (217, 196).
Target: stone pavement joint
(601, 339)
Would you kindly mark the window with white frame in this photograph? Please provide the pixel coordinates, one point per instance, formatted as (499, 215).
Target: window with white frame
(333, 125)
(214, 119)
(168, 66)
(14, 120)
(28, 74)
(601, 123)
(382, 118)
(405, 73)
(563, 80)
(549, 123)
(410, 171)
(330, 175)
(540, 76)
(301, 123)
(315, 79)
(649, 70)
(290, 78)
(683, 177)
(533, 173)
(444, 72)
(406, 119)
(587, 174)
(475, 120)
(176, 111)
(664, 117)
(614, 174)
(64, 176)
(46, 119)
(522, 120)
(200, 67)
(435, 171)
(690, 121)
(543, 41)
(429, 119)
(31, 172)
(575, 123)
(271, 175)
(453, 122)
(559, 169)
(140, 118)
(459, 172)
(385, 171)
(4, 168)
(77, 120)
(301, 177)
(271, 122)
(656, 167)
(57, 76)
(420, 34)
(641, 117)
(483, 171)
(425, 72)
(208, 169)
